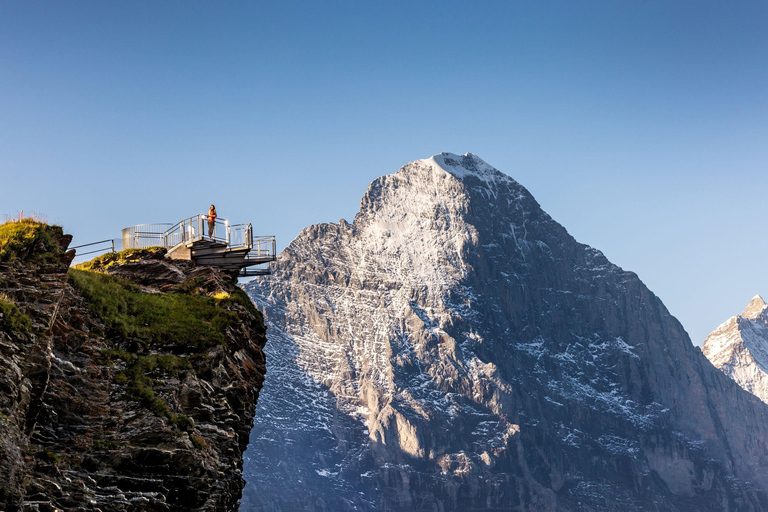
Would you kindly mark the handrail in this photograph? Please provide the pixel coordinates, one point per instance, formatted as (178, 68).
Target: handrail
(263, 248)
(142, 236)
(104, 249)
(94, 243)
(198, 227)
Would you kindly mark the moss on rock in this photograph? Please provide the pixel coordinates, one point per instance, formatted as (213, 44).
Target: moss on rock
(12, 318)
(29, 240)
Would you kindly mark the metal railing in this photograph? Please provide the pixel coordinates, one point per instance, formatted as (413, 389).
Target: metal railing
(240, 235)
(93, 248)
(263, 248)
(189, 229)
(198, 227)
(104, 246)
(144, 235)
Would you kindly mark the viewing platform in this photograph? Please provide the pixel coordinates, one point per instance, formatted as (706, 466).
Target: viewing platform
(228, 246)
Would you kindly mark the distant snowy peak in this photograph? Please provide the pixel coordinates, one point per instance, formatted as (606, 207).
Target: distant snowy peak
(756, 309)
(739, 348)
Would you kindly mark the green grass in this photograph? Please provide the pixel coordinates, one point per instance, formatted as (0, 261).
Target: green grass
(102, 444)
(48, 456)
(198, 442)
(139, 383)
(12, 318)
(195, 323)
(29, 240)
(118, 258)
(238, 296)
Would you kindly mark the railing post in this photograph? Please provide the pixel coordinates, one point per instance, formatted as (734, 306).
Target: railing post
(226, 224)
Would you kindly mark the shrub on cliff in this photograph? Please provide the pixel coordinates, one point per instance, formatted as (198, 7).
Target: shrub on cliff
(29, 240)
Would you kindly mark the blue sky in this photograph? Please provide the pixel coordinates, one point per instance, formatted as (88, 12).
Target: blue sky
(639, 125)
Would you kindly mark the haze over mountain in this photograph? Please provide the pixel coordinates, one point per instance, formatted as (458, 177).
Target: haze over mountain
(739, 347)
(454, 347)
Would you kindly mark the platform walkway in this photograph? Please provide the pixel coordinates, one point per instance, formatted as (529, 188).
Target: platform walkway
(225, 246)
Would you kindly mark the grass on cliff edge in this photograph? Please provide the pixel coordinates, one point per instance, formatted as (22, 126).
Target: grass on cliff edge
(28, 240)
(191, 321)
(109, 259)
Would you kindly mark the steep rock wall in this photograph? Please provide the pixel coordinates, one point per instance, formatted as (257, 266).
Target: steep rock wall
(139, 398)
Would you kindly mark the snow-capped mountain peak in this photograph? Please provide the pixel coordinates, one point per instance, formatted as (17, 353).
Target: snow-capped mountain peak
(461, 166)
(756, 308)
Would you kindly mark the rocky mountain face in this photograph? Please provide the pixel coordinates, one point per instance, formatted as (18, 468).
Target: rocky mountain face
(739, 348)
(129, 385)
(454, 348)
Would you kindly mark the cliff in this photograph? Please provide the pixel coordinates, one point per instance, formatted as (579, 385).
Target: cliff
(129, 384)
(454, 348)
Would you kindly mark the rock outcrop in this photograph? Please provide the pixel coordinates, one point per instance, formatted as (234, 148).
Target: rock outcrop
(130, 386)
(739, 347)
(454, 348)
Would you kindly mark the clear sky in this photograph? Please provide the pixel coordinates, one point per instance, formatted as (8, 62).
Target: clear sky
(642, 126)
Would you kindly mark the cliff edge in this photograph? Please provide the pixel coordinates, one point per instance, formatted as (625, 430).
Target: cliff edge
(128, 383)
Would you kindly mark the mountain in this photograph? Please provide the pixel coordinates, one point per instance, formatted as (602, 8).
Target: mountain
(739, 348)
(454, 348)
(127, 385)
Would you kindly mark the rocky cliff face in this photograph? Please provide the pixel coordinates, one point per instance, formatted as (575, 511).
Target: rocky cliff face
(130, 386)
(739, 348)
(455, 349)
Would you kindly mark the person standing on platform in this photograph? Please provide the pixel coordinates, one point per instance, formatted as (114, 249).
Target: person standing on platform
(211, 221)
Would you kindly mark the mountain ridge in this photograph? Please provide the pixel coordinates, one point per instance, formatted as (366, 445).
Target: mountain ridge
(466, 351)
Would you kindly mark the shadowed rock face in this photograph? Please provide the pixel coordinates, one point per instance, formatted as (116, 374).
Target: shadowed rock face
(455, 348)
(94, 419)
(739, 347)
